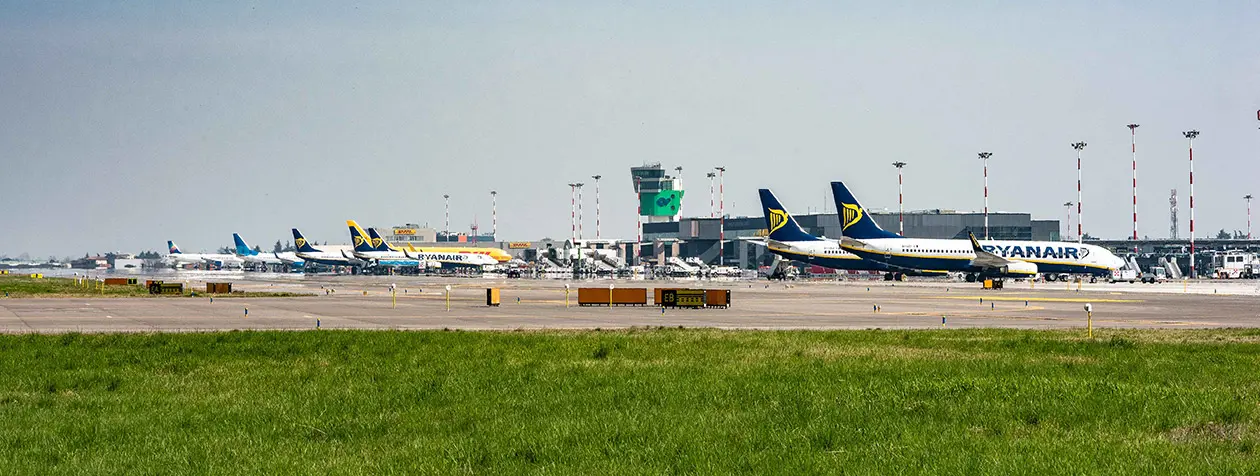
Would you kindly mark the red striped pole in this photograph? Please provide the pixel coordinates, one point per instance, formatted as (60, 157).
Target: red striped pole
(901, 227)
(494, 215)
(597, 177)
(1190, 135)
(579, 206)
(1248, 198)
(1080, 219)
(721, 215)
(1133, 146)
(712, 207)
(984, 156)
(638, 218)
(573, 213)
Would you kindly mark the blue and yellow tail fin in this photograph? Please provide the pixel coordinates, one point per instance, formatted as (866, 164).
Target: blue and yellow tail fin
(855, 222)
(779, 223)
(362, 243)
(171, 248)
(378, 243)
(242, 248)
(301, 244)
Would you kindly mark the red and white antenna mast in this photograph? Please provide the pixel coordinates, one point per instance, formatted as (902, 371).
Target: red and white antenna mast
(1190, 135)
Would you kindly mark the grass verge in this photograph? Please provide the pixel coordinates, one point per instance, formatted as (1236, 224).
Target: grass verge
(27, 287)
(641, 401)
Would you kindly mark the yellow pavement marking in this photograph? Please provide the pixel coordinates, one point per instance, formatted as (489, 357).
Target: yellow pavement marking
(937, 314)
(1034, 299)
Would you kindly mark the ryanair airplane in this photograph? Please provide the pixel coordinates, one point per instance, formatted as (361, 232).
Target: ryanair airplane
(325, 255)
(789, 240)
(376, 251)
(443, 257)
(979, 259)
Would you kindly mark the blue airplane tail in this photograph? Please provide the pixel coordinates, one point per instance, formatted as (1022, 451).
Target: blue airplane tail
(171, 248)
(855, 222)
(362, 244)
(242, 248)
(378, 243)
(301, 244)
(779, 222)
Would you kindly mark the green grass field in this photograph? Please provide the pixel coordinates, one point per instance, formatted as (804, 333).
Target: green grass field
(643, 401)
(16, 287)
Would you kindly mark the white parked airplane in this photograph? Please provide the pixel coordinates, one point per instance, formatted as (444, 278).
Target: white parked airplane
(979, 259)
(221, 260)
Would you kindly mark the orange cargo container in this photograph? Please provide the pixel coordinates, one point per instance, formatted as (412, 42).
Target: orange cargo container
(620, 297)
(717, 298)
(218, 288)
(117, 281)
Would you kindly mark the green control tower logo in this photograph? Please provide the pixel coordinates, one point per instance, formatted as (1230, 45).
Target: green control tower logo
(661, 204)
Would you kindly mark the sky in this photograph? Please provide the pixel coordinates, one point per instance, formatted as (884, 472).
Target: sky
(126, 124)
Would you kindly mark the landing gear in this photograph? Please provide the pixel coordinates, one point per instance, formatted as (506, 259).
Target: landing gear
(971, 277)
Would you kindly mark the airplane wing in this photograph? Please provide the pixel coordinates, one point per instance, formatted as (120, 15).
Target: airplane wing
(1007, 266)
(987, 259)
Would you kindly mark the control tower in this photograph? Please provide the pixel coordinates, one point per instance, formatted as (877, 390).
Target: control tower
(660, 195)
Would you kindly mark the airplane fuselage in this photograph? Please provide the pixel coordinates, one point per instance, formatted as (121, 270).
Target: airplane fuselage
(825, 253)
(957, 255)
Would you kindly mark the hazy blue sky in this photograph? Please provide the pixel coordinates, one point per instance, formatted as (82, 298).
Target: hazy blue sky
(125, 125)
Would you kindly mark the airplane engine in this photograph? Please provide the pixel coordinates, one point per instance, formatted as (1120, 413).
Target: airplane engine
(1020, 268)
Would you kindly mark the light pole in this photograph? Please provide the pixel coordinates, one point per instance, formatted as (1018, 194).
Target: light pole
(984, 156)
(712, 210)
(721, 215)
(901, 227)
(579, 211)
(1080, 219)
(597, 177)
(573, 213)
(447, 227)
(1190, 135)
(1248, 199)
(1133, 147)
(1068, 206)
(638, 221)
(494, 215)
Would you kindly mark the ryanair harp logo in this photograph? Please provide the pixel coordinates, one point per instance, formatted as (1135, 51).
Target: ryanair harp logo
(358, 240)
(300, 242)
(778, 218)
(851, 214)
(376, 242)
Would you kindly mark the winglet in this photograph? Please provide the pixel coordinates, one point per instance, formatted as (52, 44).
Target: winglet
(975, 244)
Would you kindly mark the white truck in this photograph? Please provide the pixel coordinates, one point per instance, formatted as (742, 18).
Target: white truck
(1157, 274)
(1123, 274)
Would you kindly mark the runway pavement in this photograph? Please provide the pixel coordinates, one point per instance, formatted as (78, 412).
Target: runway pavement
(339, 302)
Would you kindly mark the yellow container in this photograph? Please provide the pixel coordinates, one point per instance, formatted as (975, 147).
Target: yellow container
(492, 296)
(988, 284)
